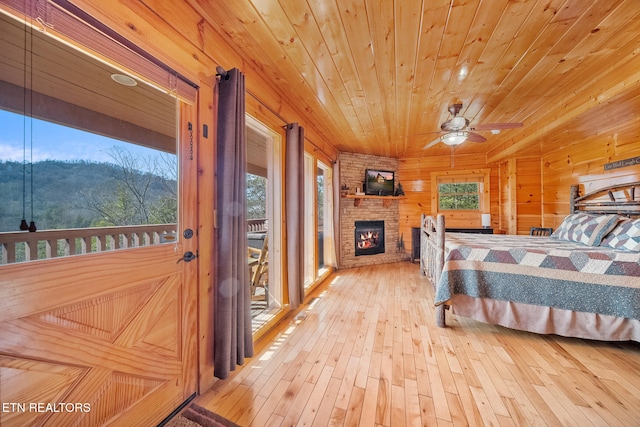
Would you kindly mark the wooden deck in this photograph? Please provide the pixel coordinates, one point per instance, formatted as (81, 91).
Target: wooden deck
(365, 351)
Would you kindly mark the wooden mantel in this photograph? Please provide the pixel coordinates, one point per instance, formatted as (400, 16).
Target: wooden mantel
(357, 199)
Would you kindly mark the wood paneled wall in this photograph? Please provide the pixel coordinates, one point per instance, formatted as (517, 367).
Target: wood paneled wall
(516, 192)
(522, 199)
(415, 176)
(527, 191)
(507, 208)
(528, 194)
(582, 162)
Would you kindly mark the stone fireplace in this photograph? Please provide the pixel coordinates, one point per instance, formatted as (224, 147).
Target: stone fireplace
(368, 209)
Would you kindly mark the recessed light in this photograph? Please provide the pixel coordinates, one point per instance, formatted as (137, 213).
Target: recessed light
(463, 73)
(124, 79)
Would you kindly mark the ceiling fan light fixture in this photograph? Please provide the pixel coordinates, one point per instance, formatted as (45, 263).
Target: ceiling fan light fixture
(454, 138)
(458, 122)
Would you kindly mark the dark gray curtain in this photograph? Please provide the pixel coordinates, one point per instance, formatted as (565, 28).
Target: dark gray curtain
(233, 340)
(294, 202)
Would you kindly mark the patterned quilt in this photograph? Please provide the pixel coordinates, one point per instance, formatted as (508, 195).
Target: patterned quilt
(541, 271)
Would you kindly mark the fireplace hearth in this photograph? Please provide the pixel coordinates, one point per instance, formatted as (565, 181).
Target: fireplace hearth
(369, 237)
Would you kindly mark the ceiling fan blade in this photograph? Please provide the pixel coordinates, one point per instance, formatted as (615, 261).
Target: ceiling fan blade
(476, 137)
(497, 126)
(432, 143)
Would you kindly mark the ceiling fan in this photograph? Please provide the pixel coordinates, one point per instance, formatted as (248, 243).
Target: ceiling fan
(456, 130)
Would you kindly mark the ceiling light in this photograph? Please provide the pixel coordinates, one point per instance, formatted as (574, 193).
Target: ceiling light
(455, 138)
(124, 79)
(464, 72)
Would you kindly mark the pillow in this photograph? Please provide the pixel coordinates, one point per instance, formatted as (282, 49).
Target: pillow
(585, 228)
(625, 236)
(569, 224)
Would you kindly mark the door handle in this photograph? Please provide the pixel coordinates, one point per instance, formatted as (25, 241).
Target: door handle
(188, 257)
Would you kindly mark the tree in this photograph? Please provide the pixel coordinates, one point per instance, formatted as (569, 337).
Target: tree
(256, 197)
(459, 196)
(143, 192)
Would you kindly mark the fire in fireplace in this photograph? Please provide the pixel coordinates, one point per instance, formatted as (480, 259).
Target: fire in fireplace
(369, 237)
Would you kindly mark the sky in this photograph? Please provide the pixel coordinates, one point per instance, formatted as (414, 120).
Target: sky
(55, 142)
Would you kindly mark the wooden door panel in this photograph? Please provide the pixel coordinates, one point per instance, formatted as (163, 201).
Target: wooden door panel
(47, 382)
(113, 334)
(33, 287)
(110, 356)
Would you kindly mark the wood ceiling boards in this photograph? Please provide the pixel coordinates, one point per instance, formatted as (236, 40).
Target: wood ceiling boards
(378, 76)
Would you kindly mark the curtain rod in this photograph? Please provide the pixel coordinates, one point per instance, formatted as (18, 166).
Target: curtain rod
(286, 122)
(267, 107)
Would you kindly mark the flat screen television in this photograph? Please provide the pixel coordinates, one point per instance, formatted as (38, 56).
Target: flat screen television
(379, 182)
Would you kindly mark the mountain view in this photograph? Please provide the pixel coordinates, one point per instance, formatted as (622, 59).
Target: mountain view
(78, 194)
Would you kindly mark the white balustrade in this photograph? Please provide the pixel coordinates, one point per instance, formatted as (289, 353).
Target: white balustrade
(26, 246)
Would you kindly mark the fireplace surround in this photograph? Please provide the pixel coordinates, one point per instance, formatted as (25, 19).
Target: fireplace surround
(369, 208)
(369, 238)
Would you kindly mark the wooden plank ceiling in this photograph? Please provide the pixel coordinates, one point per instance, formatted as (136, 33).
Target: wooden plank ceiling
(377, 76)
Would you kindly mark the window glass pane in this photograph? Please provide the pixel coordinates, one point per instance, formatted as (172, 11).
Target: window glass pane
(90, 162)
(320, 198)
(73, 179)
(257, 200)
(310, 223)
(264, 223)
(471, 187)
(459, 196)
(326, 252)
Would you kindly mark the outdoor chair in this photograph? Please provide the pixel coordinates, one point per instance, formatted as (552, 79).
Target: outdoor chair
(259, 268)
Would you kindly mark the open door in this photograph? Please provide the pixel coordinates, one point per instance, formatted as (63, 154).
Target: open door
(103, 329)
(96, 338)
(100, 337)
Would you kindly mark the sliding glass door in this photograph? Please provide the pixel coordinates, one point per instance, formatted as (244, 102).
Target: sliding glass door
(318, 226)
(264, 219)
(324, 191)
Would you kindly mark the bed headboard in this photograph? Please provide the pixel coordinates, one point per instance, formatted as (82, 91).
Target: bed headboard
(623, 199)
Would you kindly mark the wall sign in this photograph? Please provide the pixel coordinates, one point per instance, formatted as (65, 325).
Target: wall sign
(622, 163)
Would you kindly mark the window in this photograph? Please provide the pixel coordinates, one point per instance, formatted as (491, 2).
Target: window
(319, 245)
(96, 169)
(459, 196)
(264, 222)
(325, 218)
(310, 224)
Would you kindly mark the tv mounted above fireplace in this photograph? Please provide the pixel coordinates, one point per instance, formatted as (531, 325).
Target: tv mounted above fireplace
(379, 182)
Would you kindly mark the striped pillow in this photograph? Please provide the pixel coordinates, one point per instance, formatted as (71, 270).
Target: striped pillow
(625, 236)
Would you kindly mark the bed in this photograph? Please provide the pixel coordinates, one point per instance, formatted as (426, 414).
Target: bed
(583, 281)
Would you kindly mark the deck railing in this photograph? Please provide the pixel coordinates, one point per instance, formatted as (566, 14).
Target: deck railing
(256, 225)
(26, 246)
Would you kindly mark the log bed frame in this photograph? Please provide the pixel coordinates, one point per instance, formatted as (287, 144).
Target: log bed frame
(615, 199)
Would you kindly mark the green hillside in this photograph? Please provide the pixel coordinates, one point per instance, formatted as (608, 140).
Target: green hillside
(83, 194)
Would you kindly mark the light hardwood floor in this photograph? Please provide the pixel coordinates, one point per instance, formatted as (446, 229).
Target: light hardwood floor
(365, 351)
